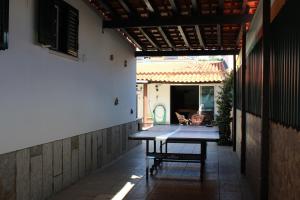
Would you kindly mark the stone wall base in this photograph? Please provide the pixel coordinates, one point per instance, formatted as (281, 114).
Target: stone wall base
(38, 172)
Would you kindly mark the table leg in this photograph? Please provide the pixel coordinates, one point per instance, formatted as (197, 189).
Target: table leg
(154, 166)
(147, 160)
(203, 158)
(166, 147)
(160, 147)
(161, 151)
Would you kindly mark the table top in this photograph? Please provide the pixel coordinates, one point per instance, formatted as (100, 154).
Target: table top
(178, 133)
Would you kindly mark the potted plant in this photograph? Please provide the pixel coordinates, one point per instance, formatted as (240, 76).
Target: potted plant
(224, 103)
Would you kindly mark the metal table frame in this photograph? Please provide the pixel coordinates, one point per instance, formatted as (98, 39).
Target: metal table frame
(160, 156)
(180, 134)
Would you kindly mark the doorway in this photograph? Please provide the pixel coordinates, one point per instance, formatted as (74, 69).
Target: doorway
(184, 100)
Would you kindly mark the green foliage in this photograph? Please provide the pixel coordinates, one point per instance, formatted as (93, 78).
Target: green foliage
(224, 103)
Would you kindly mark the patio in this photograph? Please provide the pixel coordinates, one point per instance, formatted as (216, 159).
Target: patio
(69, 98)
(125, 178)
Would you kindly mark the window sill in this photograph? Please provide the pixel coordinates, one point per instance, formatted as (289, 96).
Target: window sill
(63, 55)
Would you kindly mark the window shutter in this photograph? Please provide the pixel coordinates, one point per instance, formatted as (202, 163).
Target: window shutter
(72, 19)
(45, 22)
(4, 13)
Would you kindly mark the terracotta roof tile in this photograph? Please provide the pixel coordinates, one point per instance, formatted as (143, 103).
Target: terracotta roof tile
(181, 71)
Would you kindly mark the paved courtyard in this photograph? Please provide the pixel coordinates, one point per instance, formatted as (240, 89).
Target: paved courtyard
(125, 178)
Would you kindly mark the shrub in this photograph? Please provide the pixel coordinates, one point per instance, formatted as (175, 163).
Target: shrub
(224, 103)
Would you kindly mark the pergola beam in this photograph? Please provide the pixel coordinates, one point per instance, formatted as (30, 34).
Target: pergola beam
(186, 42)
(155, 21)
(219, 31)
(194, 6)
(173, 5)
(198, 31)
(149, 38)
(244, 11)
(149, 6)
(125, 6)
(221, 6)
(132, 39)
(129, 9)
(238, 40)
(107, 6)
(165, 37)
(186, 53)
(243, 104)
(199, 36)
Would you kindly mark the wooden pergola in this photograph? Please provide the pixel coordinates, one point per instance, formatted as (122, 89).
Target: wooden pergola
(179, 27)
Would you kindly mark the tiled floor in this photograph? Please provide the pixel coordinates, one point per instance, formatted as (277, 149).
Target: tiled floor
(125, 178)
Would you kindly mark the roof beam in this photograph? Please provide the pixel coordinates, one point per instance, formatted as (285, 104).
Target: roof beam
(173, 5)
(165, 37)
(199, 36)
(238, 40)
(194, 6)
(219, 31)
(186, 42)
(132, 39)
(221, 6)
(149, 6)
(155, 21)
(244, 11)
(198, 31)
(149, 38)
(175, 11)
(107, 6)
(126, 5)
(186, 53)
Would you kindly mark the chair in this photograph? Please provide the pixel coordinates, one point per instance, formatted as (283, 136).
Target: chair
(182, 119)
(197, 119)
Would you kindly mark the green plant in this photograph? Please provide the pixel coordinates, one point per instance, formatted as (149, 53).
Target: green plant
(224, 103)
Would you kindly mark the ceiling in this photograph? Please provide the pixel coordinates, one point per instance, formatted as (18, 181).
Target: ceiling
(179, 27)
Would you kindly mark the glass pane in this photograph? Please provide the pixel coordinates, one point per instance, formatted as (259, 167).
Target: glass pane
(207, 98)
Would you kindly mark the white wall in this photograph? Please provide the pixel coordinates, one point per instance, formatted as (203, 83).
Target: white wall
(140, 96)
(163, 96)
(45, 97)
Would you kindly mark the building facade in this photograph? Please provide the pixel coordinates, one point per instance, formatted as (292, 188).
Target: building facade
(58, 119)
(183, 85)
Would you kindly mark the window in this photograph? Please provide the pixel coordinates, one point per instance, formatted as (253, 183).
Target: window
(207, 98)
(4, 8)
(208, 102)
(58, 26)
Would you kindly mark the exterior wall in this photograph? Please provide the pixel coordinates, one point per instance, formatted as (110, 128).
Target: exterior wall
(238, 132)
(284, 163)
(253, 148)
(58, 120)
(163, 96)
(253, 151)
(47, 97)
(40, 171)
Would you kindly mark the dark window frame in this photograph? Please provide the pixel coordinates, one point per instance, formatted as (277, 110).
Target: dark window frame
(58, 26)
(4, 20)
